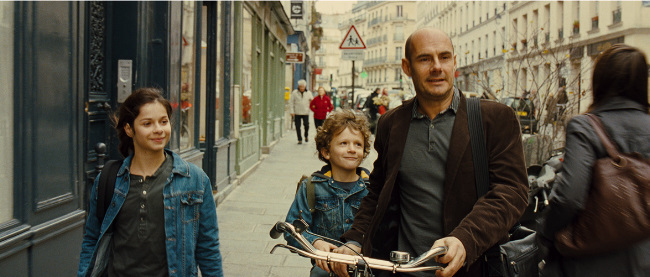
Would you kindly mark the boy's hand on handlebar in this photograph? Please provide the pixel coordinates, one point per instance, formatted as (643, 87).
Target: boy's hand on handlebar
(341, 269)
(455, 257)
(323, 246)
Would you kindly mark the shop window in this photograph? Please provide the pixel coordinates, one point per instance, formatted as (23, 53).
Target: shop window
(247, 69)
(188, 75)
(218, 71)
(7, 111)
(219, 113)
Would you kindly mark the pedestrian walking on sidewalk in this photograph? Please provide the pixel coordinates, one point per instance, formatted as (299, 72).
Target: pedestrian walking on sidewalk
(422, 192)
(299, 108)
(338, 187)
(372, 104)
(620, 101)
(162, 219)
(321, 105)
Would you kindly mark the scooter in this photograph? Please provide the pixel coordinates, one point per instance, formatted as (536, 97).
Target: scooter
(540, 181)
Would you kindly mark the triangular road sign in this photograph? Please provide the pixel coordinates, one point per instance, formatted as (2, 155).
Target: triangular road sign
(352, 40)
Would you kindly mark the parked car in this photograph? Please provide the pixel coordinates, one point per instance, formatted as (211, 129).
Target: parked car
(360, 96)
(397, 96)
(525, 110)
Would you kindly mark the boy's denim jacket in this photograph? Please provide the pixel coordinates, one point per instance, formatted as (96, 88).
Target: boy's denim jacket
(335, 208)
(190, 223)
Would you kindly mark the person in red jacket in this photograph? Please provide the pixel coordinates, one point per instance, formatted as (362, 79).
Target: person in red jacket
(321, 105)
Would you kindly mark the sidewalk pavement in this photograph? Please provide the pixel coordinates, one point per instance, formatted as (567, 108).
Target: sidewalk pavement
(262, 199)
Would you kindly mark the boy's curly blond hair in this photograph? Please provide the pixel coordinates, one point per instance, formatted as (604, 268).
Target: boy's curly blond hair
(335, 123)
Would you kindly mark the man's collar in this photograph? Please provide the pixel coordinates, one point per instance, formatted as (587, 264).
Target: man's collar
(455, 101)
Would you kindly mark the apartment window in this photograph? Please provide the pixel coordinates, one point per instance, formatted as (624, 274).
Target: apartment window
(398, 53)
(397, 74)
(594, 18)
(494, 43)
(616, 14)
(560, 14)
(400, 11)
(576, 14)
(515, 31)
(7, 111)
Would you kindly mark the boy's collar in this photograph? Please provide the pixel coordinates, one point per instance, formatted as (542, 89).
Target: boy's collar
(326, 170)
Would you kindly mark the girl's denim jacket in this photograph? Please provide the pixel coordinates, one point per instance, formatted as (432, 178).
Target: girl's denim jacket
(335, 207)
(190, 223)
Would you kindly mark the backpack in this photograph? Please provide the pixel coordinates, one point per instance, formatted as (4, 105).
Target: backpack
(105, 187)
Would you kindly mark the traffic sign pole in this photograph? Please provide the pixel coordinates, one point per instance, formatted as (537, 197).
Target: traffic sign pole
(353, 84)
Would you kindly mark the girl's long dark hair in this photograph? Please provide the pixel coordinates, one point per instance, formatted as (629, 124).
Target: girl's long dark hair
(621, 70)
(130, 109)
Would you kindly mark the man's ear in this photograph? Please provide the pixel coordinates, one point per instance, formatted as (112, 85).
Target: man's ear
(455, 64)
(406, 67)
(128, 130)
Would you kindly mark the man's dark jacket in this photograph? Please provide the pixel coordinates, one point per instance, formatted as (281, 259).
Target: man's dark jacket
(477, 224)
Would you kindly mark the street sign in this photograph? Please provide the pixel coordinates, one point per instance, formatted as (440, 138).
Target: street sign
(296, 10)
(295, 57)
(352, 54)
(352, 40)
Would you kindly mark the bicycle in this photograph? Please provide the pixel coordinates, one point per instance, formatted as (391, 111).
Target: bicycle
(358, 265)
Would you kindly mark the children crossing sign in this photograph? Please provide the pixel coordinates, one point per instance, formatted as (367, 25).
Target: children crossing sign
(352, 40)
(352, 46)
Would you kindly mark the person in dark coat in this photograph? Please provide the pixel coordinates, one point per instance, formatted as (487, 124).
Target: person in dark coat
(373, 109)
(422, 190)
(620, 100)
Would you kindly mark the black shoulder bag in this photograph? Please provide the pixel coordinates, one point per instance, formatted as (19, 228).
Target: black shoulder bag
(105, 187)
(519, 256)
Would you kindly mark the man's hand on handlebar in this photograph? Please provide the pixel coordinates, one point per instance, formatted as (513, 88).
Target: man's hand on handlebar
(341, 269)
(323, 246)
(455, 257)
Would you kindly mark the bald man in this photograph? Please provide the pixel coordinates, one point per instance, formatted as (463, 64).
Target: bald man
(422, 192)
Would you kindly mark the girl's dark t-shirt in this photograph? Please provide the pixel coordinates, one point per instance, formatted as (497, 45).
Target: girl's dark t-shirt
(138, 247)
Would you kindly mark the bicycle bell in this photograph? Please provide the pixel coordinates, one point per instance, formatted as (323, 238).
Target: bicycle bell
(399, 257)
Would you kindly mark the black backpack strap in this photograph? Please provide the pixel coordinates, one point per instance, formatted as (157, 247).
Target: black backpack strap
(106, 187)
(479, 150)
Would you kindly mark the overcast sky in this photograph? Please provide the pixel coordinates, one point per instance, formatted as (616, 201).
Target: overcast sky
(333, 7)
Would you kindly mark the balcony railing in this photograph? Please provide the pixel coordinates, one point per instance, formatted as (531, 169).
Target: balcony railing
(375, 61)
(616, 15)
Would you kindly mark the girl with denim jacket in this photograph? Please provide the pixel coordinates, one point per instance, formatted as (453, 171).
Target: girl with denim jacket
(162, 215)
(343, 143)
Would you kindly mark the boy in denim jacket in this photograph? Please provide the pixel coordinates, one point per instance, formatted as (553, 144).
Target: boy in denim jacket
(343, 142)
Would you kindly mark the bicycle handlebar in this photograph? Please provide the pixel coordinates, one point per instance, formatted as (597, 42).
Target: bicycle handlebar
(310, 252)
